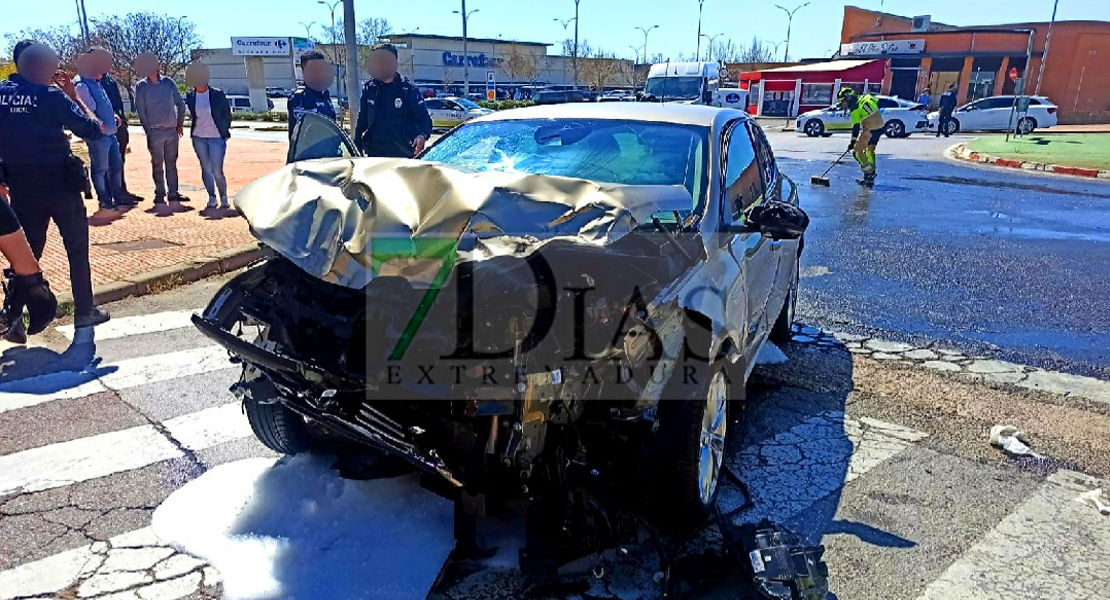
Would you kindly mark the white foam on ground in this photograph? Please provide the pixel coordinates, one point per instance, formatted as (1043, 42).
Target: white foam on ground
(292, 528)
(769, 354)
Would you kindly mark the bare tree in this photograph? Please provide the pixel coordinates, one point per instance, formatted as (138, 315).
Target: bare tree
(174, 41)
(756, 52)
(520, 64)
(599, 70)
(61, 38)
(371, 31)
(726, 51)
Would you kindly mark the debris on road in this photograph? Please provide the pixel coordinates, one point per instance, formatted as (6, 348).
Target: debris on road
(1012, 441)
(770, 354)
(1093, 499)
(778, 561)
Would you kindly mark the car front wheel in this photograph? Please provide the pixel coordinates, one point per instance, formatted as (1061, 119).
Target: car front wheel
(814, 128)
(277, 427)
(895, 129)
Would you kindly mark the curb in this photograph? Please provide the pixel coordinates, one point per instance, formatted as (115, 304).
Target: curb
(962, 152)
(174, 275)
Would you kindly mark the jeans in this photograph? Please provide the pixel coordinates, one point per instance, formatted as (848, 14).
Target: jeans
(106, 168)
(210, 153)
(162, 144)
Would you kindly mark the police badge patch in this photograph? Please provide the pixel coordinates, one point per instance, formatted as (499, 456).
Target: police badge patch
(397, 103)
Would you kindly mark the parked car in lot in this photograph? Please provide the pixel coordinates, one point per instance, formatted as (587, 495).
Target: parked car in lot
(903, 118)
(277, 92)
(451, 111)
(556, 305)
(560, 96)
(995, 112)
(242, 104)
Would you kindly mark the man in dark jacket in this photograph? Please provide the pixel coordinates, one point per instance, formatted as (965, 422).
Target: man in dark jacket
(947, 105)
(111, 87)
(392, 118)
(313, 97)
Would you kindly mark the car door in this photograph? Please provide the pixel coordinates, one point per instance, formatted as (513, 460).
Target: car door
(784, 252)
(456, 113)
(995, 113)
(316, 136)
(970, 115)
(743, 188)
(435, 111)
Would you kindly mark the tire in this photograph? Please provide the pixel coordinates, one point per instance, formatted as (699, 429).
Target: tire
(277, 427)
(896, 129)
(814, 128)
(690, 460)
(782, 330)
(1026, 125)
(953, 126)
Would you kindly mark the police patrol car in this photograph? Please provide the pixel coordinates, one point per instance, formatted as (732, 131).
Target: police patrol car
(902, 117)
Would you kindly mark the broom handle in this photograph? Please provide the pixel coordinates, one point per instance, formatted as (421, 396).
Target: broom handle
(836, 162)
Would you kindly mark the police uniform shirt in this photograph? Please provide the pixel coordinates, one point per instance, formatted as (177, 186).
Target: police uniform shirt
(32, 117)
(307, 100)
(398, 116)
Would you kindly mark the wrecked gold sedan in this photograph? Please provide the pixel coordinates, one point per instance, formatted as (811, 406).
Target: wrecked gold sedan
(553, 307)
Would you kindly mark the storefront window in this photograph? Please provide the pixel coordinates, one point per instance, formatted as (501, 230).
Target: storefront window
(817, 94)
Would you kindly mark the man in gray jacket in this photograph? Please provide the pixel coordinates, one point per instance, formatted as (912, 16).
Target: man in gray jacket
(162, 114)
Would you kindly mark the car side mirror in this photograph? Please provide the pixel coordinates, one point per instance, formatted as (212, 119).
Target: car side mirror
(778, 220)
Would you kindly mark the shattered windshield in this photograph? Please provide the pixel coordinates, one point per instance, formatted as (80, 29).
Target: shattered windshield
(621, 152)
(674, 88)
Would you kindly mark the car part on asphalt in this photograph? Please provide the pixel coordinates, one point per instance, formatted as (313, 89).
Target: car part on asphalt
(1093, 499)
(823, 179)
(779, 563)
(1012, 441)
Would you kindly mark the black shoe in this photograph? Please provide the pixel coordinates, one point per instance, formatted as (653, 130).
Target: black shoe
(107, 206)
(179, 198)
(94, 317)
(125, 201)
(16, 333)
(159, 200)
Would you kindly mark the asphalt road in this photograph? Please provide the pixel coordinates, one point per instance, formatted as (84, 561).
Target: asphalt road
(994, 261)
(885, 462)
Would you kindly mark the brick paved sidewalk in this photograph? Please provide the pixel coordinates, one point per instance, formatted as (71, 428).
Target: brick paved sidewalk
(124, 245)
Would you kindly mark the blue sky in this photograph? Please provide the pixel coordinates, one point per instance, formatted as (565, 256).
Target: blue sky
(605, 23)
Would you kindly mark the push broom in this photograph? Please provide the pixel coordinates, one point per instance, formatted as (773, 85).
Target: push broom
(823, 179)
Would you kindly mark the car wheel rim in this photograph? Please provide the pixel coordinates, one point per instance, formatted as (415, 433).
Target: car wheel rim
(713, 428)
(896, 129)
(811, 128)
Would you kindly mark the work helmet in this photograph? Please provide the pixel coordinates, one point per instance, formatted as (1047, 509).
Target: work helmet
(845, 93)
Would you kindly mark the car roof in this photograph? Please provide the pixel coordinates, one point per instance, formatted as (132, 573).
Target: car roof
(683, 114)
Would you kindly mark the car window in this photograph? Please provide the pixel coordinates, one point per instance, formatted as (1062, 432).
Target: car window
(316, 136)
(612, 151)
(768, 169)
(434, 104)
(743, 184)
(988, 103)
(887, 103)
(452, 105)
(1035, 102)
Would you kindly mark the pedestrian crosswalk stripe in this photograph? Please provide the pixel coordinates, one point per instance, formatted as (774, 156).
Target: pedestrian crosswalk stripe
(82, 459)
(125, 374)
(120, 327)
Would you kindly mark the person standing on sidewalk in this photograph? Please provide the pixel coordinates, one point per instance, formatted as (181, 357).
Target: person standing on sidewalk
(105, 160)
(162, 115)
(123, 138)
(210, 114)
(313, 97)
(392, 118)
(925, 98)
(43, 177)
(947, 105)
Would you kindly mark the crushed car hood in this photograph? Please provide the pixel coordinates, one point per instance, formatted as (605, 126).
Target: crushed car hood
(347, 221)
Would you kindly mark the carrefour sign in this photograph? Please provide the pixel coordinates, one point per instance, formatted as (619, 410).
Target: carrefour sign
(450, 59)
(260, 46)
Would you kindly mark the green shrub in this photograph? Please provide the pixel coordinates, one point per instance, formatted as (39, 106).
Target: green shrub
(505, 104)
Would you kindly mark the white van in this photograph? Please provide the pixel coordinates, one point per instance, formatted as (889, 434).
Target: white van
(242, 104)
(685, 82)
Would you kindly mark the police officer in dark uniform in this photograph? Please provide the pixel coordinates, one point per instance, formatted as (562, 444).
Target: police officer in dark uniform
(392, 118)
(313, 96)
(44, 178)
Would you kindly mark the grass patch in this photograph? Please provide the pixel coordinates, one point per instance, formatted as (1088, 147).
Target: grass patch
(1088, 150)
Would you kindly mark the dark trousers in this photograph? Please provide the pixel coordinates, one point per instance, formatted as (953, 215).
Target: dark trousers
(123, 138)
(39, 195)
(944, 120)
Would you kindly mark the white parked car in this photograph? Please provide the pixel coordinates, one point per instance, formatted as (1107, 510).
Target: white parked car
(903, 118)
(451, 111)
(993, 113)
(242, 104)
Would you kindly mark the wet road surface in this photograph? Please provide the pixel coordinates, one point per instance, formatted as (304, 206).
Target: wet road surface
(992, 260)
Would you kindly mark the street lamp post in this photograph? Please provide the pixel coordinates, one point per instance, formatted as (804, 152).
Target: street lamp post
(565, 24)
(352, 60)
(83, 20)
(776, 45)
(466, 57)
(646, 32)
(1047, 44)
(697, 52)
(576, 43)
(709, 56)
(636, 52)
(789, 22)
(334, 42)
(307, 28)
(412, 52)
